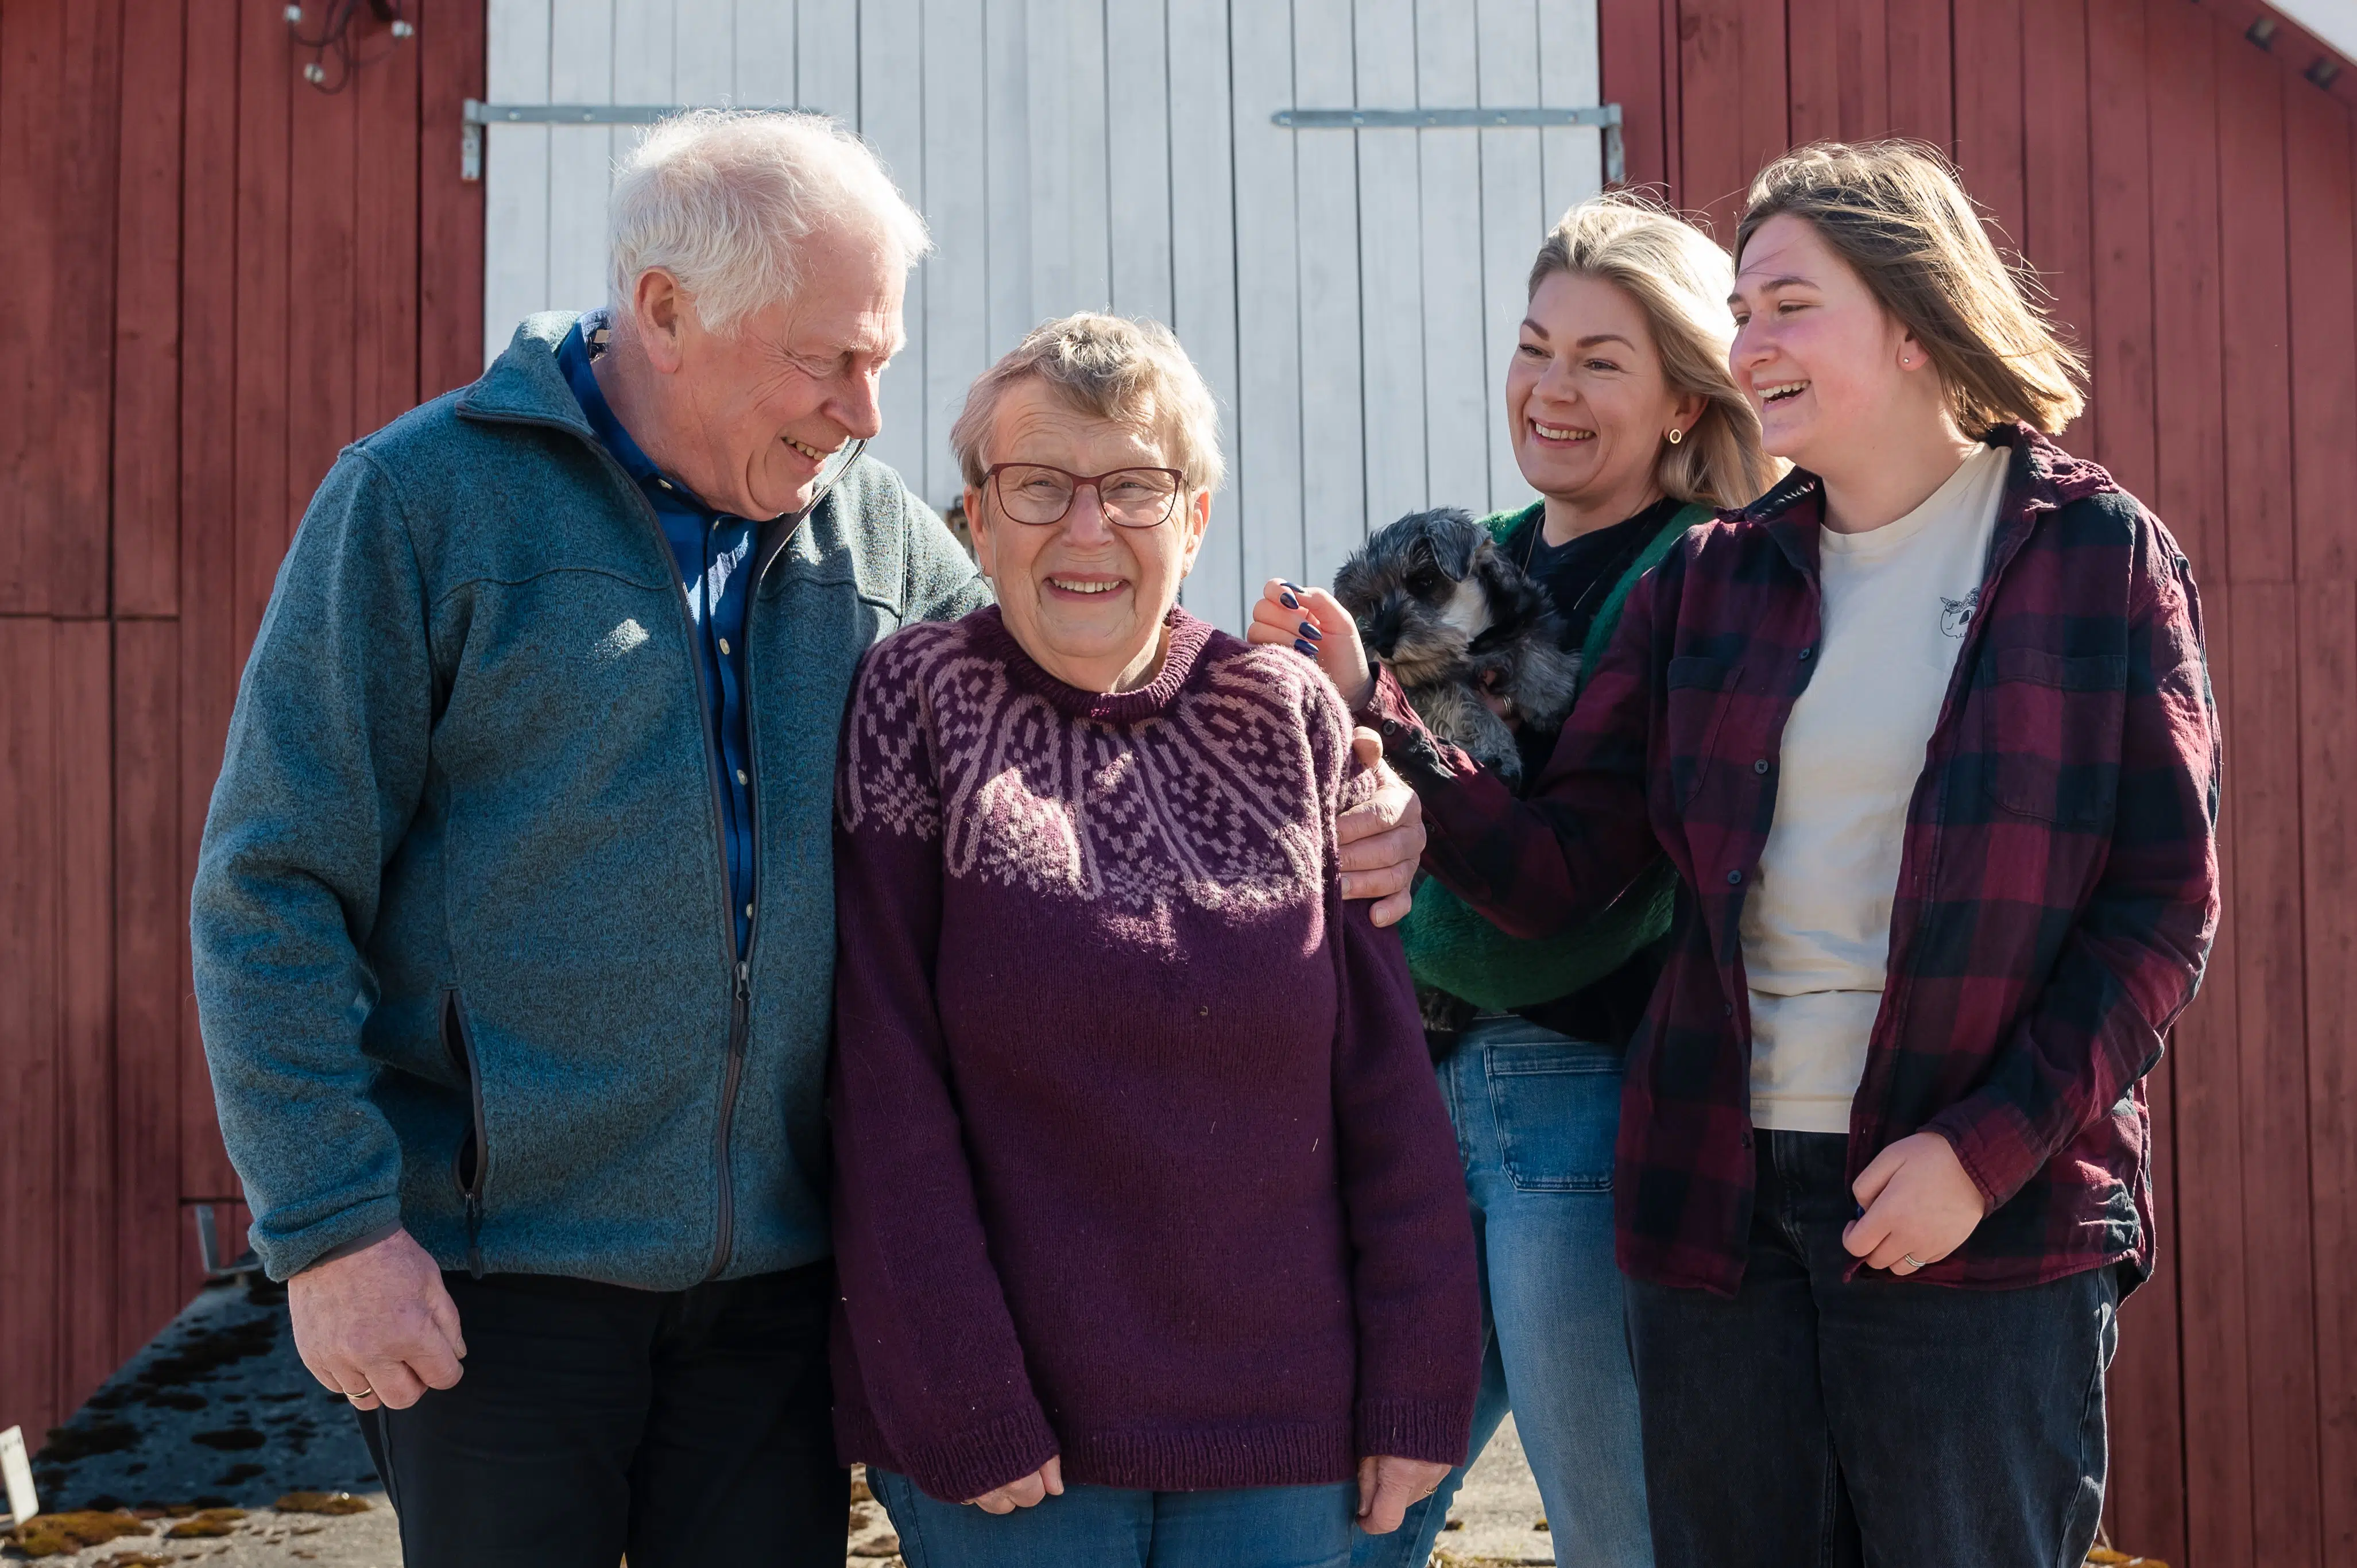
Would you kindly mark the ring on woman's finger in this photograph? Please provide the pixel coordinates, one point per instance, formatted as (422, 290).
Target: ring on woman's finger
(1912, 1259)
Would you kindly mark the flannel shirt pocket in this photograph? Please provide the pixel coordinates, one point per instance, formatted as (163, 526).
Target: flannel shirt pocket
(2051, 727)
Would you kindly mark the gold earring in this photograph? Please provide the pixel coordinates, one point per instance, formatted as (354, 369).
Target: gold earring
(1676, 435)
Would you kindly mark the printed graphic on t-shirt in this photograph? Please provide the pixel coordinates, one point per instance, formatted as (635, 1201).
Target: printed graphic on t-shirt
(1957, 614)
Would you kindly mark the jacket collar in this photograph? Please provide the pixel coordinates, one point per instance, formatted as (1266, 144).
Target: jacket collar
(525, 384)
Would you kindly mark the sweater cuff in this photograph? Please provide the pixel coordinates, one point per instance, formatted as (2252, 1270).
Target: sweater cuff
(1408, 746)
(1435, 1431)
(983, 1458)
(345, 1231)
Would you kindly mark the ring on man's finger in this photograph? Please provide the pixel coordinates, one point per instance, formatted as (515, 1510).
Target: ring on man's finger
(363, 1393)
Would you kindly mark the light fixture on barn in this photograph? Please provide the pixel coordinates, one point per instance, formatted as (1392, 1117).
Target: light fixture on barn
(338, 40)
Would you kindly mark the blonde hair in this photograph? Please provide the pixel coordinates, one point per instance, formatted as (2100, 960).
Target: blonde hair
(1898, 214)
(1681, 281)
(723, 200)
(1133, 373)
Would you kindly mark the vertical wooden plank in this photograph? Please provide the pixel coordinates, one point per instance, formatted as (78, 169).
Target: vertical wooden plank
(1633, 54)
(644, 71)
(385, 246)
(1137, 154)
(1203, 270)
(1922, 81)
(2327, 727)
(87, 1219)
(704, 51)
(1512, 220)
(1813, 70)
(1064, 77)
(2254, 299)
(1391, 270)
(1456, 372)
(1862, 63)
(2274, 1064)
(516, 162)
(1333, 448)
(765, 53)
(826, 56)
(450, 246)
(2321, 248)
(957, 205)
(1733, 93)
(2056, 202)
(146, 448)
(1571, 157)
(58, 67)
(320, 304)
(266, 305)
(1007, 126)
(2144, 1496)
(209, 651)
(581, 70)
(2215, 1500)
(1990, 145)
(1268, 308)
(2121, 189)
(30, 867)
(150, 932)
(891, 62)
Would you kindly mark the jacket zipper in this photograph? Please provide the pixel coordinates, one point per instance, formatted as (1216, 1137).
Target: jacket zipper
(471, 1185)
(740, 1006)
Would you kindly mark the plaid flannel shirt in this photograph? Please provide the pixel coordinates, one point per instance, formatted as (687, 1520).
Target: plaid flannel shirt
(2058, 888)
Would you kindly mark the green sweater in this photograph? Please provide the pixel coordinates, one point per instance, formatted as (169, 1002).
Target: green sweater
(1452, 949)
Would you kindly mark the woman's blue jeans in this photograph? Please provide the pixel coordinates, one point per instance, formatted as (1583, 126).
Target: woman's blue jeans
(1536, 1116)
(1115, 1526)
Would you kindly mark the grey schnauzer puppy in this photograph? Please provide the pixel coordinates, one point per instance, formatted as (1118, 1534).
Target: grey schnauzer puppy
(1455, 619)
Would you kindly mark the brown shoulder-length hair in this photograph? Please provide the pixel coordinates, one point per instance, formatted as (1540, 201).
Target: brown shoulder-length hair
(1896, 213)
(1679, 279)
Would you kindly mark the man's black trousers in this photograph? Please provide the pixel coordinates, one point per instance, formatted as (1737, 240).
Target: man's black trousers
(681, 1427)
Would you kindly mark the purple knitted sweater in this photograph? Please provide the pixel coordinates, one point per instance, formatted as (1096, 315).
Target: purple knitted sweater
(1139, 1156)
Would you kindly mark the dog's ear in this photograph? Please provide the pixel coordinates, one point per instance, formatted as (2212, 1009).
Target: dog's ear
(1455, 539)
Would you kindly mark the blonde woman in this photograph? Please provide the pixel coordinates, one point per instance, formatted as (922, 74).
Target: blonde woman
(1625, 420)
(1927, 733)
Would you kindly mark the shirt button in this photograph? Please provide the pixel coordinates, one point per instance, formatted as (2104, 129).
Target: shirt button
(748, 911)
(1727, 1008)
(741, 779)
(1806, 652)
(1733, 878)
(724, 647)
(1761, 765)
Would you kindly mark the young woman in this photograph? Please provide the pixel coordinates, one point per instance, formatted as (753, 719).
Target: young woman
(1624, 419)
(1927, 733)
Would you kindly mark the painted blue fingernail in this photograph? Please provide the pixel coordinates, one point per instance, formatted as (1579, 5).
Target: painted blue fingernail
(1305, 647)
(1857, 1212)
(1288, 601)
(1295, 586)
(1312, 633)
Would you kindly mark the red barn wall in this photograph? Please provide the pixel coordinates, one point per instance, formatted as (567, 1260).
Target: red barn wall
(218, 276)
(2187, 196)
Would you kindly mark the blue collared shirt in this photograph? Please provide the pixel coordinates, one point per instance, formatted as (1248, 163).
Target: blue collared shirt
(715, 550)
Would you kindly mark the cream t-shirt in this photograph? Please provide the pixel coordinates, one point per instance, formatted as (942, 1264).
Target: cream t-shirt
(1816, 926)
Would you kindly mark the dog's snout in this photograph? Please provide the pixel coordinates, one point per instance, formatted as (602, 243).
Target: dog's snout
(1383, 629)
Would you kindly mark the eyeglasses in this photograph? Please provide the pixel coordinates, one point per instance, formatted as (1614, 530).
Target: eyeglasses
(1040, 495)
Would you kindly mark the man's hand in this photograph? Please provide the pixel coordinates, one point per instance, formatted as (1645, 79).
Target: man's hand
(1382, 840)
(1388, 1488)
(1920, 1206)
(377, 1326)
(1047, 1481)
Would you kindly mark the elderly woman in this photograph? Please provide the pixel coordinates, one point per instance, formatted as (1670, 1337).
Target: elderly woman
(1151, 1235)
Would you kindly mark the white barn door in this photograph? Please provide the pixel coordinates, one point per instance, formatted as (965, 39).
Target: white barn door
(1350, 295)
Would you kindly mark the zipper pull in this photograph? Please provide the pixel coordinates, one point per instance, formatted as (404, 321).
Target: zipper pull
(744, 981)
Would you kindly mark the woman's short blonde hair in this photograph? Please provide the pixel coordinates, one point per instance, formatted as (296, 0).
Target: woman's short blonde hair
(1898, 214)
(1133, 373)
(1681, 281)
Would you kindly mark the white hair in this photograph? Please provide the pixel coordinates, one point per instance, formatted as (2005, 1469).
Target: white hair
(722, 199)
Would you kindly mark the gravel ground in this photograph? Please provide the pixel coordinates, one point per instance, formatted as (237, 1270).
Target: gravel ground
(216, 1414)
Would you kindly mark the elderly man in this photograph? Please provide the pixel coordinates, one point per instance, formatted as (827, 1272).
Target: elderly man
(514, 921)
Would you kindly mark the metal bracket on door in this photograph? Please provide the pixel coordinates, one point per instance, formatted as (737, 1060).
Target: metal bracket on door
(1604, 116)
(479, 115)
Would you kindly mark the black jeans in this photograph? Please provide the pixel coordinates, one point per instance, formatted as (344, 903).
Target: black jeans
(681, 1427)
(1810, 1422)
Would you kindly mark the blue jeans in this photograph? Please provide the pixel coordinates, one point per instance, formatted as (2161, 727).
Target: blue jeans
(1536, 1116)
(1814, 1422)
(1114, 1527)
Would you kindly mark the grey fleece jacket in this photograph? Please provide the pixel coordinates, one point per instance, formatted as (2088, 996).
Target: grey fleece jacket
(464, 958)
